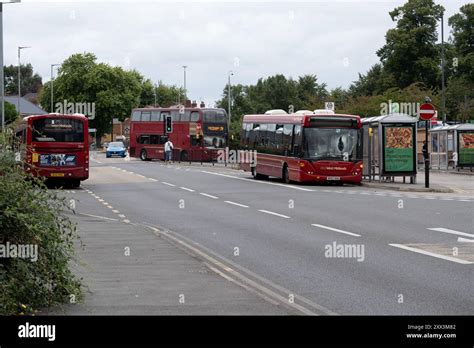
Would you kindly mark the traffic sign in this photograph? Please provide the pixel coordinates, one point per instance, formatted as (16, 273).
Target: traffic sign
(329, 106)
(427, 111)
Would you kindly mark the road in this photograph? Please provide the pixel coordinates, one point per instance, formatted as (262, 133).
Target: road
(410, 251)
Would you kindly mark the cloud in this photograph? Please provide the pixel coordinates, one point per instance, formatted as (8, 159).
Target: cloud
(333, 39)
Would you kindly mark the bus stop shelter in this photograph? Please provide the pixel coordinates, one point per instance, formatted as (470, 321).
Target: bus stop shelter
(452, 146)
(389, 143)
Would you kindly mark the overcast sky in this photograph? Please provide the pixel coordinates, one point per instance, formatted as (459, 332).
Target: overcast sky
(333, 39)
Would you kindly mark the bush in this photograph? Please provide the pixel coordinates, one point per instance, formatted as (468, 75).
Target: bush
(30, 214)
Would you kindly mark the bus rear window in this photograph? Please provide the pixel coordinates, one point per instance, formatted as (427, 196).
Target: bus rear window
(58, 130)
(214, 116)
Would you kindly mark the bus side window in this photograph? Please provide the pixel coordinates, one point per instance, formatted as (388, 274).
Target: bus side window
(154, 139)
(175, 115)
(194, 116)
(136, 115)
(279, 139)
(186, 117)
(155, 116)
(271, 128)
(297, 140)
(286, 139)
(146, 115)
(163, 139)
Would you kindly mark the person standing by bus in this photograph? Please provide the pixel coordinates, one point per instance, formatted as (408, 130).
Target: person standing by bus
(168, 151)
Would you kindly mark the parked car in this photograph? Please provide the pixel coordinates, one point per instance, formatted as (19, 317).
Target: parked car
(116, 148)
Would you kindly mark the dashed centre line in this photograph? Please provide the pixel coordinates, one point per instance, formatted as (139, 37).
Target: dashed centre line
(237, 204)
(208, 195)
(167, 183)
(186, 189)
(336, 230)
(273, 213)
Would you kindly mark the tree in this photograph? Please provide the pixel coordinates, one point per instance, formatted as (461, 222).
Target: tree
(410, 53)
(30, 82)
(113, 90)
(10, 113)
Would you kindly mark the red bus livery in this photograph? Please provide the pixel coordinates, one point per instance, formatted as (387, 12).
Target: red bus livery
(196, 133)
(55, 146)
(304, 147)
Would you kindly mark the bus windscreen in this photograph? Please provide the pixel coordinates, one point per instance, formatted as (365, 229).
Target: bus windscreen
(58, 130)
(332, 144)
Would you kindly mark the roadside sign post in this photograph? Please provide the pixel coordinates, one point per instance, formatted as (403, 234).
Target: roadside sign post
(426, 113)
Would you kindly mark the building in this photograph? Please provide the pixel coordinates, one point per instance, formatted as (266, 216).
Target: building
(27, 108)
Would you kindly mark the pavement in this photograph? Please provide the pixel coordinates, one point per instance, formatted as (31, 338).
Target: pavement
(129, 269)
(440, 181)
(277, 248)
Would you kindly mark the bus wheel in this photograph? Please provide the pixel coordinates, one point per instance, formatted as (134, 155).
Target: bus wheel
(75, 183)
(286, 175)
(258, 176)
(143, 155)
(183, 156)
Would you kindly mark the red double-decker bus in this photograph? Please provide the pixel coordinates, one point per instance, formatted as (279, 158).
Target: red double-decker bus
(196, 133)
(55, 146)
(304, 147)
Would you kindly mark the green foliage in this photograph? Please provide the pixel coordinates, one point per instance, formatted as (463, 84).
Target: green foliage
(32, 215)
(410, 53)
(114, 91)
(10, 113)
(30, 81)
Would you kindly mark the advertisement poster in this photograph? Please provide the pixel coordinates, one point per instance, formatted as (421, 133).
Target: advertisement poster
(57, 160)
(399, 150)
(466, 148)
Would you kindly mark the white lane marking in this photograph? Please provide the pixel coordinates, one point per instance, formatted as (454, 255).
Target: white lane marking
(447, 199)
(122, 216)
(110, 207)
(208, 195)
(186, 189)
(447, 230)
(98, 217)
(237, 204)
(167, 183)
(141, 176)
(126, 221)
(424, 252)
(151, 179)
(105, 203)
(273, 213)
(464, 240)
(101, 200)
(259, 182)
(465, 200)
(115, 211)
(336, 230)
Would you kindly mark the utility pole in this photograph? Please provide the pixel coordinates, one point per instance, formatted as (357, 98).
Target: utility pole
(185, 92)
(229, 105)
(443, 91)
(19, 76)
(52, 87)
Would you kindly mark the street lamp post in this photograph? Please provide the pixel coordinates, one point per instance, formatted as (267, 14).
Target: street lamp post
(52, 87)
(2, 78)
(19, 75)
(229, 104)
(443, 91)
(154, 93)
(185, 94)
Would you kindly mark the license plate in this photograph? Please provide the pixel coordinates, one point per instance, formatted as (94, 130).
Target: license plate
(335, 178)
(57, 175)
